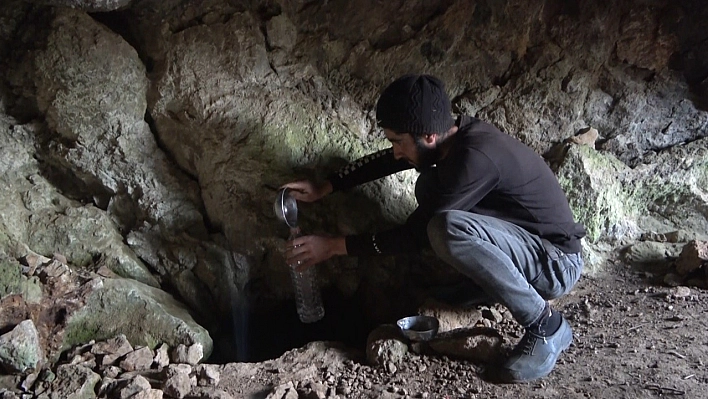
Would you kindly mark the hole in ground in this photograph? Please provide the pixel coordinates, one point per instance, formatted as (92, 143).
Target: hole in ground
(260, 336)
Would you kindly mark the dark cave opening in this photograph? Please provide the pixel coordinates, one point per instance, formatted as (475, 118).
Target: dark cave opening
(256, 336)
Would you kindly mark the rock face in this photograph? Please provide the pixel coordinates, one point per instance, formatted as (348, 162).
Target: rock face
(617, 202)
(146, 138)
(87, 5)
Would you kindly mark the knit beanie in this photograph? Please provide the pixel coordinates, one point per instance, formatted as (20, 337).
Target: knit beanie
(415, 104)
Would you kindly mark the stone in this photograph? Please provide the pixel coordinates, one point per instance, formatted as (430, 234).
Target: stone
(675, 236)
(29, 381)
(20, 349)
(673, 280)
(192, 354)
(87, 360)
(110, 360)
(616, 203)
(478, 344)
(316, 390)
(10, 277)
(385, 344)
(14, 282)
(148, 394)
(162, 357)
(118, 345)
(134, 386)
(139, 311)
(693, 256)
(112, 371)
(178, 368)
(34, 261)
(178, 385)
(140, 359)
(651, 252)
(492, 314)
(681, 292)
(107, 386)
(679, 236)
(210, 393)
(284, 391)
(55, 269)
(197, 113)
(208, 375)
(74, 382)
(451, 317)
(60, 258)
(587, 137)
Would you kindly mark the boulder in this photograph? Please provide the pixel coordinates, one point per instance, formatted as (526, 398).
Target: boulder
(147, 316)
(20, 349)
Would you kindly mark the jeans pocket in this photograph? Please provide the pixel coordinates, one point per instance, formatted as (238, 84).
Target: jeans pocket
(558, 275)
(573, 269)
(553, 253)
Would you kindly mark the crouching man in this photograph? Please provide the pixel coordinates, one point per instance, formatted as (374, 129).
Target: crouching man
(488, 206)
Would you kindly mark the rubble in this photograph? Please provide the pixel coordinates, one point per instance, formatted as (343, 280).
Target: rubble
(135, 376)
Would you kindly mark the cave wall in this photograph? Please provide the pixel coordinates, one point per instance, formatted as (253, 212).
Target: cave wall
(175, 121)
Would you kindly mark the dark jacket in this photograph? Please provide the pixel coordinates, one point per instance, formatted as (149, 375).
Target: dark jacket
(486, 172)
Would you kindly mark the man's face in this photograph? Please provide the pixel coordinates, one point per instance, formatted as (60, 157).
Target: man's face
(421, 153)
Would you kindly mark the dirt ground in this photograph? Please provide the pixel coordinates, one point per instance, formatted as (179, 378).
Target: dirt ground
(634, 337)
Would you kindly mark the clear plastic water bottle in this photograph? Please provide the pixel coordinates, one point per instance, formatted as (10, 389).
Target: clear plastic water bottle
(307, 291)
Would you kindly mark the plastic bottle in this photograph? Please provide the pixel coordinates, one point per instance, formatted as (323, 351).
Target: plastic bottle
(308, 298)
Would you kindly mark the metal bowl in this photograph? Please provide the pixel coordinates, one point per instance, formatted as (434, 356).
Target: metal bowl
(419, 328)
(285, 207)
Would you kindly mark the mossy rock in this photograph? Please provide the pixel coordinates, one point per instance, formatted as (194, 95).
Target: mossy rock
(597, 192)
(145, 315)
(10, 277)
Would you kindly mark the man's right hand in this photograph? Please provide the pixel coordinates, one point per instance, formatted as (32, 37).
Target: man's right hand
(308, 191)
(307, 251)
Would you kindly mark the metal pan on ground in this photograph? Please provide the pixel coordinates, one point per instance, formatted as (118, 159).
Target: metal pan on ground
(419, 328)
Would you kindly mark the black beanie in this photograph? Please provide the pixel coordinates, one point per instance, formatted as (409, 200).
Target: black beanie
(415, 104)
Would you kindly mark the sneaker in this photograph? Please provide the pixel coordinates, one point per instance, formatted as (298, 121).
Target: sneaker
(535, 356)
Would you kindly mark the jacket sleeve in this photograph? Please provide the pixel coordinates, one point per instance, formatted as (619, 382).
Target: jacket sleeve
(369, 168)
(410, 237)
(400, 239)
(464, 187)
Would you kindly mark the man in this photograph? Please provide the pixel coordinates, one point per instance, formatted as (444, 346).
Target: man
(488, 205)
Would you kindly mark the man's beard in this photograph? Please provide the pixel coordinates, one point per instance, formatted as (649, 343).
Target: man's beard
(427, 157)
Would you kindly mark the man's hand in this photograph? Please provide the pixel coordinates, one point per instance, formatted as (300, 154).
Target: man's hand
(308, 191)
(307, 251)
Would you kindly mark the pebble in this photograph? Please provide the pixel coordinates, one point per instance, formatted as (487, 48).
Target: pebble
(681, 292)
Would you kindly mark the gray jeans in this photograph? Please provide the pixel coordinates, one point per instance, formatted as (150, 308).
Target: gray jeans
(514, 267)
